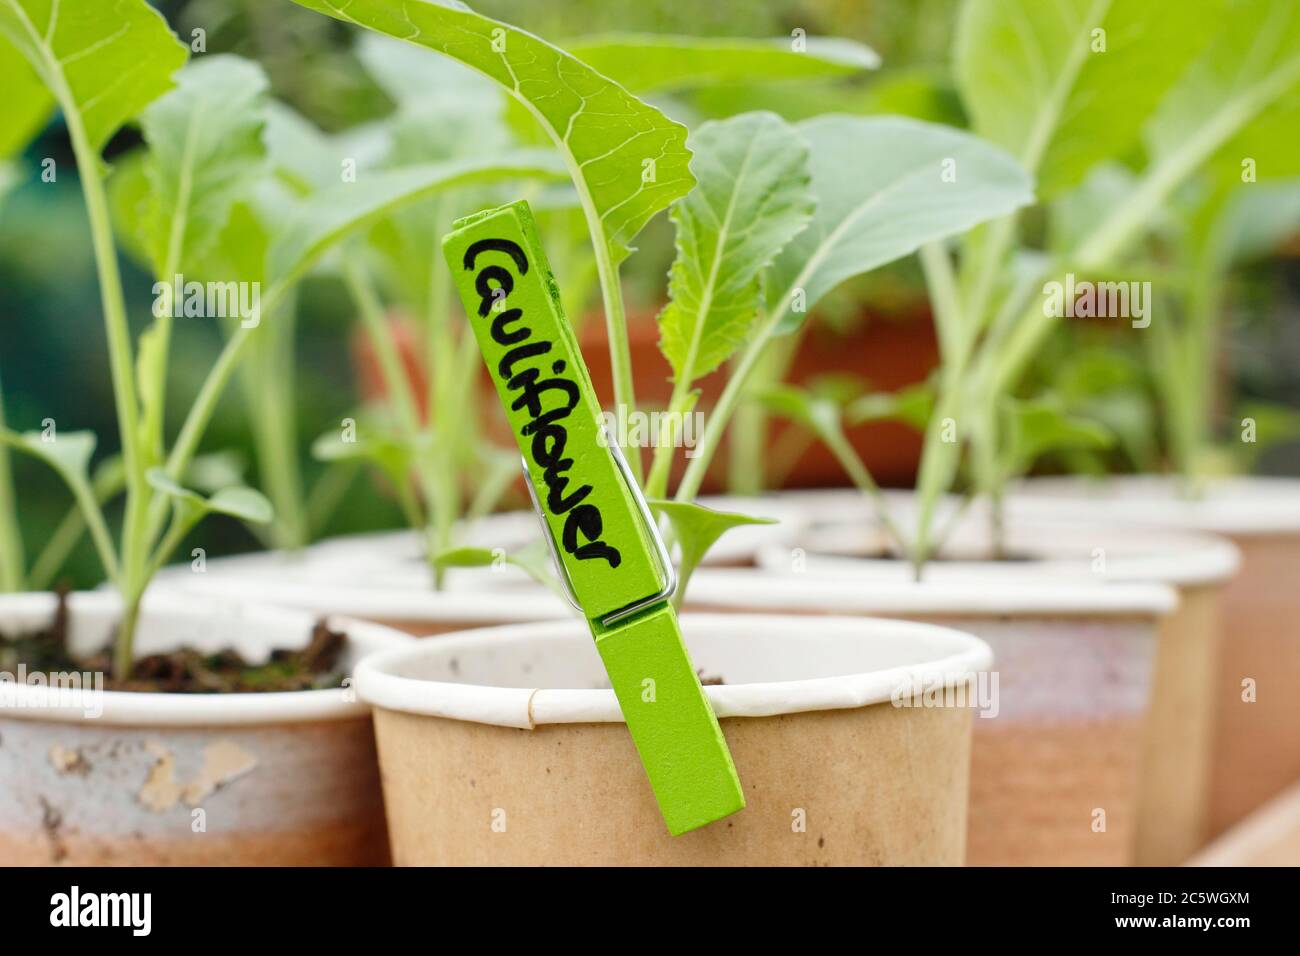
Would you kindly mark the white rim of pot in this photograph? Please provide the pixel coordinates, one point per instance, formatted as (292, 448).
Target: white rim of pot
(1058, 548)
(116, 708)
(1242, 505)
(948, 657)
(766, 591)
(458, 606)
(339, 575)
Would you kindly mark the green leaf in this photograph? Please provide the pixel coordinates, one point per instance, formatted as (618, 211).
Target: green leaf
(204, 150)
(532, 559)
(819, 414)
(300, 152)
(128, 202)
(1073, 215)
(331, 214)
(1039, 426)
(414, 79)
(883, 189)
(68, 453)
(1257, 219)
(104, 62)
(751, 199)
(912, 405)
(651, 61)
(216, 470)
(245, 504)
(1111, 387)
(696, 529)
(1037, 81)
(627, 160)
(27, 104)
(1241, 98)
(371, 444)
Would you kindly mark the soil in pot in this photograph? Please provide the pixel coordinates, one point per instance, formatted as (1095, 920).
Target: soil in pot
(184, 670)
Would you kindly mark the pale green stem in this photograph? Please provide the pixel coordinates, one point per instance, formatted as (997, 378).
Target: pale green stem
(123, 651)
(397, 385)
(956, 340)
(656, 485)
(276, 432)
(726, 406)
(858, 473)
(327, 494)
(747, 449)
(132, 575)
(205, 406)
(446, 417)
(176, 533)
(620, 352)
(60, 544)
(747, 471)
(12, 558)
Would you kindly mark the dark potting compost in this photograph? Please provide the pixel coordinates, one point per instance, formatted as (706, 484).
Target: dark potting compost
(184, 670)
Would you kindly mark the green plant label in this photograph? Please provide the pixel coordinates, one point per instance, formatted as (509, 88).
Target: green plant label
(532, 355)
(533, 358)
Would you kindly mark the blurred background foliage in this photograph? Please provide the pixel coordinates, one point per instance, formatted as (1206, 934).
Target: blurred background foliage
(52, 350)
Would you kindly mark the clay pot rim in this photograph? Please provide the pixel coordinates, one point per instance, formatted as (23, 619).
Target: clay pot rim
(952, 654)
(123, 708)
(1059, 548)
(1009, 597)
(1239, 505)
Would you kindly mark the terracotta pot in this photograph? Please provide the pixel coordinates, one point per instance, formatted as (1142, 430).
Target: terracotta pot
(138, 779)
(1256, 711)
(1174, 809)
(1055, 759)
(496, 751)
(889, 351)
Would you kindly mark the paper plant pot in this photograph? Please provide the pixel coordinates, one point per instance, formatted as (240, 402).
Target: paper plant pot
(1173, 813)
(140, 779)
(499, 746)
(1057, 751)
(1256, 711)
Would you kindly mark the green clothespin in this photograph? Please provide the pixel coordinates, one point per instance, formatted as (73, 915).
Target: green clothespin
(605, 542)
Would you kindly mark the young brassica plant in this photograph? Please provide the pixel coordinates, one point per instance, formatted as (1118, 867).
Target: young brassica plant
(102, 66)
(310, 195)
(189, 206)
(1053, 85)
(770, 216)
